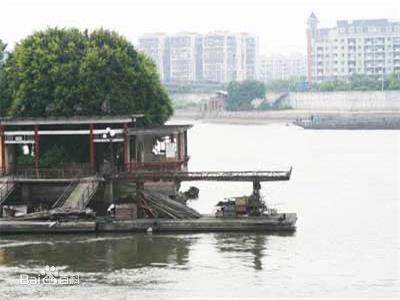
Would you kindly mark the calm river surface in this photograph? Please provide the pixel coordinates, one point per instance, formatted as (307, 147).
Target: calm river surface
(345, 188)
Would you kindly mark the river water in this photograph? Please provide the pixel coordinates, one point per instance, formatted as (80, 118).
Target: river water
(345, 188)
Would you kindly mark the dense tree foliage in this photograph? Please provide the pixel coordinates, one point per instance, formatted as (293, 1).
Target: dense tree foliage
(2, 58)
(356, 82)
(241, 94)
(286, 85)
(2, 51)
(66, 72)
(360, 83)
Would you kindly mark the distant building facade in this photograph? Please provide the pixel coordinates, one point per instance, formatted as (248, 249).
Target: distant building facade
(370, 47)
(283, 67)
(183, 57)
(213, 57)
(250, 56)
(156, 46)
(222, 53)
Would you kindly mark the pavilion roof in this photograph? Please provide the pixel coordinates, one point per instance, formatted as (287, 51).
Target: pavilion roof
(76, 120)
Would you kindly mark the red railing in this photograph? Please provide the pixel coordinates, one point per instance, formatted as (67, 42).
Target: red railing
(52, 173)
(79, 171)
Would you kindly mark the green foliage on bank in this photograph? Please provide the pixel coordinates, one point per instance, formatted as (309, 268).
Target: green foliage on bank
(285, 85)
(356, 82)
(241, 94)
(360, 83)
(67, 72)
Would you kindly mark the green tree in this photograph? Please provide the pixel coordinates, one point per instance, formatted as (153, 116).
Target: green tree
(2, 58)
(2, 51)
(393, 82)
(240, 94)
(66, 72)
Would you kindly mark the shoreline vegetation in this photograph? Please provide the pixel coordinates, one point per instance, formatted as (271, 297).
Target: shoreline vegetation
(266, 117)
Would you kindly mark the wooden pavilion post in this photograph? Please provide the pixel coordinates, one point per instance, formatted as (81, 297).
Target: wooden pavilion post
(37, 149)
(91, 150)
(126, 149)
(3, 151)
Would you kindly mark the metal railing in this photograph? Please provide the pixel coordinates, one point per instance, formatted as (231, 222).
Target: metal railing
(65, 194)
(250, 176)
(5, 190)
(156, 166)
(52, 173)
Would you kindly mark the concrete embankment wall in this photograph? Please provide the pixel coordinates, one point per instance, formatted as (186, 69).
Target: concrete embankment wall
(344, 101)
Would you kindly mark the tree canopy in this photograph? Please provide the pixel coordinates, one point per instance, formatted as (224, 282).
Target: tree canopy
(360, 82)
(2, 57)
(241, 94)
(2, 51)
(66, 72)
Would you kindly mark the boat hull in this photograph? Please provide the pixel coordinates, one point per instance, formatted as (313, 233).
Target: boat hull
(271, 223)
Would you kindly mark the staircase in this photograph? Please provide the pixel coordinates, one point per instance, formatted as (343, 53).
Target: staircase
(64, 196)
(80, 195)
(7, 186)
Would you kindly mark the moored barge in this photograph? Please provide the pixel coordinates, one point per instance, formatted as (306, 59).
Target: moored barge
(130, 182)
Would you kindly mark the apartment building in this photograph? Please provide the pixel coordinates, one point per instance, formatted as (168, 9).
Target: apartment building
(222, 57)
(183, 57)
(274, 67)
(250, 56)
(156, 46)
(214, 57)
(370, 47)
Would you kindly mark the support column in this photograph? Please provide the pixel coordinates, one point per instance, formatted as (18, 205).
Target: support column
(3, 151)
(26, 196)
(91, 150)
(185, 141)
(179, 145)
(126, 149)
(37, 147)
(109, 191)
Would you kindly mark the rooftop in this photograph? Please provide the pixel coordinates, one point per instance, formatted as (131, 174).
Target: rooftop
(70, 120)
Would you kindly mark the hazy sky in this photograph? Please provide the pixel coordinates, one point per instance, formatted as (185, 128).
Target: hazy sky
(280, 24)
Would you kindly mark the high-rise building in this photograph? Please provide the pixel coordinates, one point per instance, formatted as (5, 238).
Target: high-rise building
(250, 56)
(230, 56)
(156, 46)
(275, 67)
(216, 56)
(370, 47)
(222, 53)
(183, 57)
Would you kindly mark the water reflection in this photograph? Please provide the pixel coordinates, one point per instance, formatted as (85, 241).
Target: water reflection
(255, 245)
(105, 253)
(94, 253)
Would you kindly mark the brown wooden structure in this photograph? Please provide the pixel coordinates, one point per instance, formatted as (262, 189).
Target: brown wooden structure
(155, 148)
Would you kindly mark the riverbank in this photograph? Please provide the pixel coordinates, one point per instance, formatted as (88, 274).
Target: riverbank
(269, 117)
